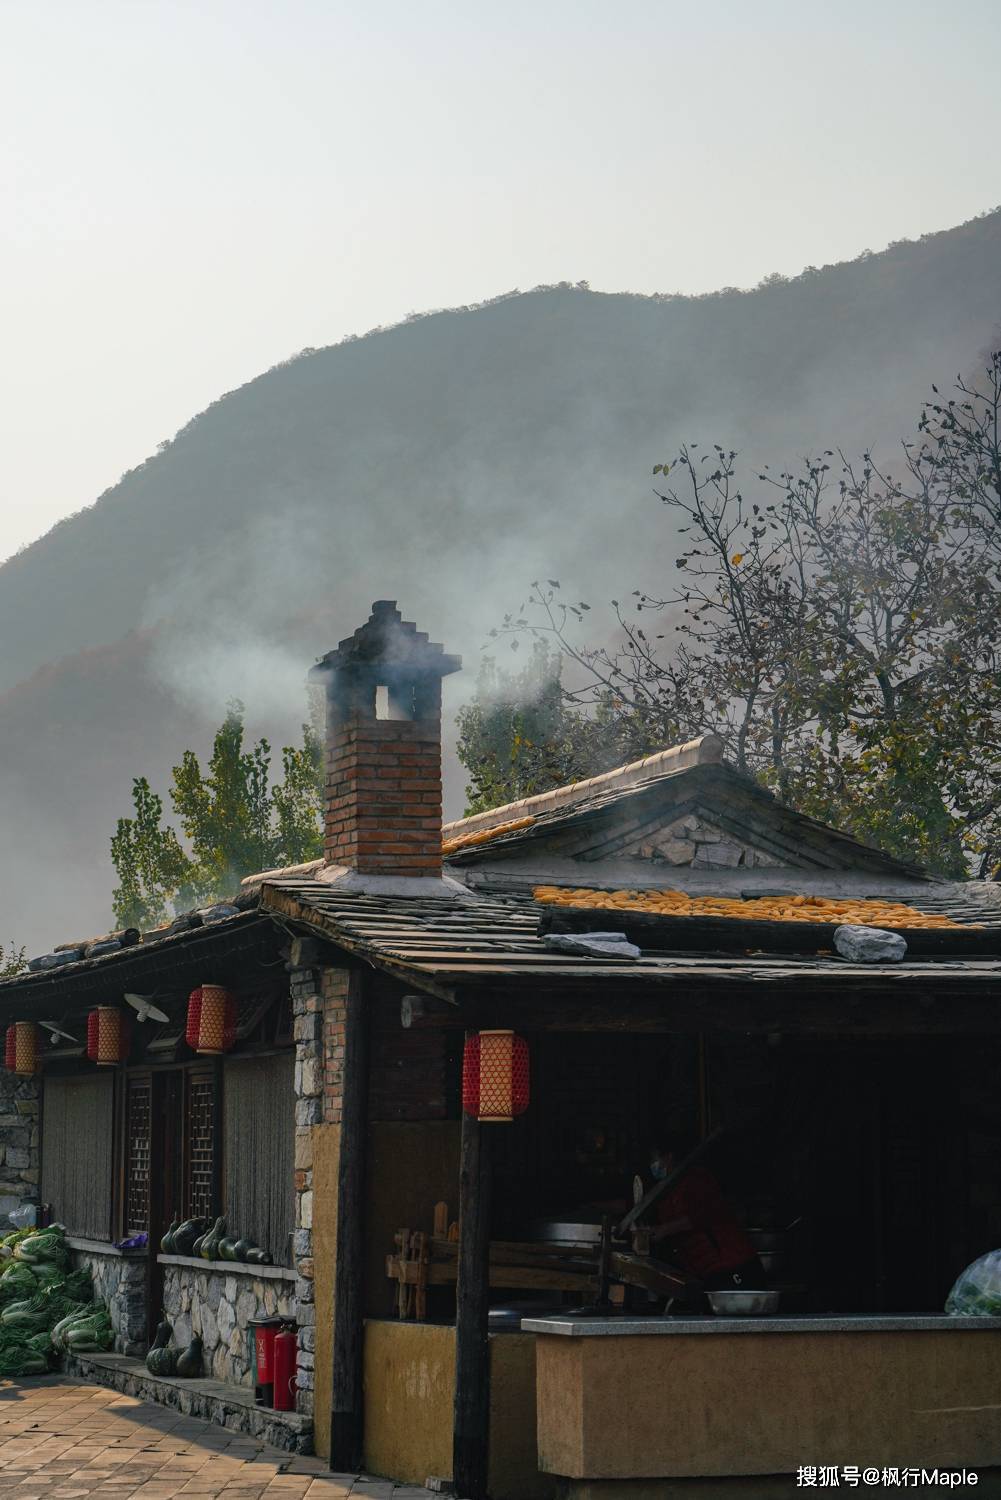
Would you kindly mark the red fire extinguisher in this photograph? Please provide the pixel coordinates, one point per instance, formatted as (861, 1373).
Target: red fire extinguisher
(264, 1331)
(286, 1345)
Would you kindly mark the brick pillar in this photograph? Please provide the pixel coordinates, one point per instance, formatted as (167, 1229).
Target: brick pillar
(383, 791)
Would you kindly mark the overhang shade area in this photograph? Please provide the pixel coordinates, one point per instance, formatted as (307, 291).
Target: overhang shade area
(856, 1101)
(178, 1127)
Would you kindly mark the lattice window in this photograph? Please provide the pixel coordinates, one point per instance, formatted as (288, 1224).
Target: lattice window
(200, 1138)
(137, 1155)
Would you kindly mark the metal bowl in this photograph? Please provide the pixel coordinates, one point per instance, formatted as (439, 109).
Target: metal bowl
(743, 1303)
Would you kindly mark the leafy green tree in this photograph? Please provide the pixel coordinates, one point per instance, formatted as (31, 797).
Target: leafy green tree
(517, 736)
(524, 733)
(839, 627)
(12, 960)
(233, 821)
(148, 860)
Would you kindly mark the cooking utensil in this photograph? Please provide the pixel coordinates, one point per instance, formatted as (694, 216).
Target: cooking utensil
(771, 1261)
(744, 1303)
(565, 1232)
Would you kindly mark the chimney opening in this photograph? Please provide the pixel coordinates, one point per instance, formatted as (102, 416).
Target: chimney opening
(398, 704)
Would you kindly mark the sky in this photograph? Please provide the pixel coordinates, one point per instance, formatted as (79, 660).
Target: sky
(191, 192)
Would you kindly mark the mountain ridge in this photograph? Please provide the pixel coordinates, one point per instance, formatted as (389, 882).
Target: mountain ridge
(445, 461)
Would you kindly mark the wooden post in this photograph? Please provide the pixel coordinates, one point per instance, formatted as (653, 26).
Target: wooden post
(471, 1430)
(346, 1402)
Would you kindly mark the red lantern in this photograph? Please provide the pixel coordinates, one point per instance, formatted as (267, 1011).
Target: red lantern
(194, 1018)
(10, 1054)
(495, 1076)
(26, 1047)
(211, 1027)
(107, 1036)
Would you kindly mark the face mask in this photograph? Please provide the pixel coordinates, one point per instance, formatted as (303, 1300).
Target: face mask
(659, 1170)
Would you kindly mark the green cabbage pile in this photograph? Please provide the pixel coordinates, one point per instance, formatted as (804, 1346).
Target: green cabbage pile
(40, 1297)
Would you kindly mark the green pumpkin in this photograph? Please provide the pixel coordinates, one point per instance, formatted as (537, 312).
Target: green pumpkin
(227, 1249)
(184, 1238)
(210, 1244)
(167, 1243)
(162, 1337)
(241, 1247)
(162, 1361)
(189, 1361)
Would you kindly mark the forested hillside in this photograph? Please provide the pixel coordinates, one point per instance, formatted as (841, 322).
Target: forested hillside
(445, 462)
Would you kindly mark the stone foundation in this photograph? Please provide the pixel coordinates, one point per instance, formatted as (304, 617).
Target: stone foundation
(229, 1406)
(217, 1299)
(119, 1278)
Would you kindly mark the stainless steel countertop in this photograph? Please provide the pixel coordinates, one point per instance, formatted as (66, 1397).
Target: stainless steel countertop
(775, 1323)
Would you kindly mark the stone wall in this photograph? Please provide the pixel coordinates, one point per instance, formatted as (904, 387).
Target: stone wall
(19, 1153)
(695, 842)
(308, 1029)
(217, 1300)
(120, 1282)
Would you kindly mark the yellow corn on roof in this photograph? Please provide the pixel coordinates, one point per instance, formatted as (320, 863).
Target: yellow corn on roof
(481, 836)
(847, 910)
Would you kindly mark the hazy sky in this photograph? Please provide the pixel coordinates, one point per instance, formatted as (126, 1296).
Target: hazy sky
(190, 192)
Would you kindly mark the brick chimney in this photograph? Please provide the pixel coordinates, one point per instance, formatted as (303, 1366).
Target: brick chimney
(383, 753)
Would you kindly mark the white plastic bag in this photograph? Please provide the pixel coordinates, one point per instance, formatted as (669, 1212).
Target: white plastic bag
(24, 1218)
(977, 1291)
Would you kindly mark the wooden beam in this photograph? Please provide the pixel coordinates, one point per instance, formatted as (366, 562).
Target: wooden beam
(729, 1007)
(471, 1429)
(346, 1398)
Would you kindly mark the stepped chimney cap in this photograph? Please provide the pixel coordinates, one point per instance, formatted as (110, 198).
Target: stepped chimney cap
(386, 642)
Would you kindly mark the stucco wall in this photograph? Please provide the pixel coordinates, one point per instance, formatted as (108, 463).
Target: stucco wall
(747, 1403)
(409, 1395)
(326, 1146)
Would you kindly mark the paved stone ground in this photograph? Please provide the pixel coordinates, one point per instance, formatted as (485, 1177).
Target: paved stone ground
(63, 1440)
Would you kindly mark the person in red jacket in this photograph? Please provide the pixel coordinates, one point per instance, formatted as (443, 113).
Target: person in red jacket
(696, 1227)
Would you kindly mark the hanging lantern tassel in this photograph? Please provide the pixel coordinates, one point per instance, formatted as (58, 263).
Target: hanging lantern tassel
(26, 1047)
(108, 1036)
(495, 1076)
(211, 1028)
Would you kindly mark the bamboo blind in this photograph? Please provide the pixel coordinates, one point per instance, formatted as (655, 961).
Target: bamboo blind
(260, 1151)
(77, 1156)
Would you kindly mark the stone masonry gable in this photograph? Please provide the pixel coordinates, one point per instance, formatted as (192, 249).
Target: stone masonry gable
(694, 842)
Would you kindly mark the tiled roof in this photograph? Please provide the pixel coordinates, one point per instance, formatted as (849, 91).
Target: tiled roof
(172, 956)
(449, 944)
(603, 816)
